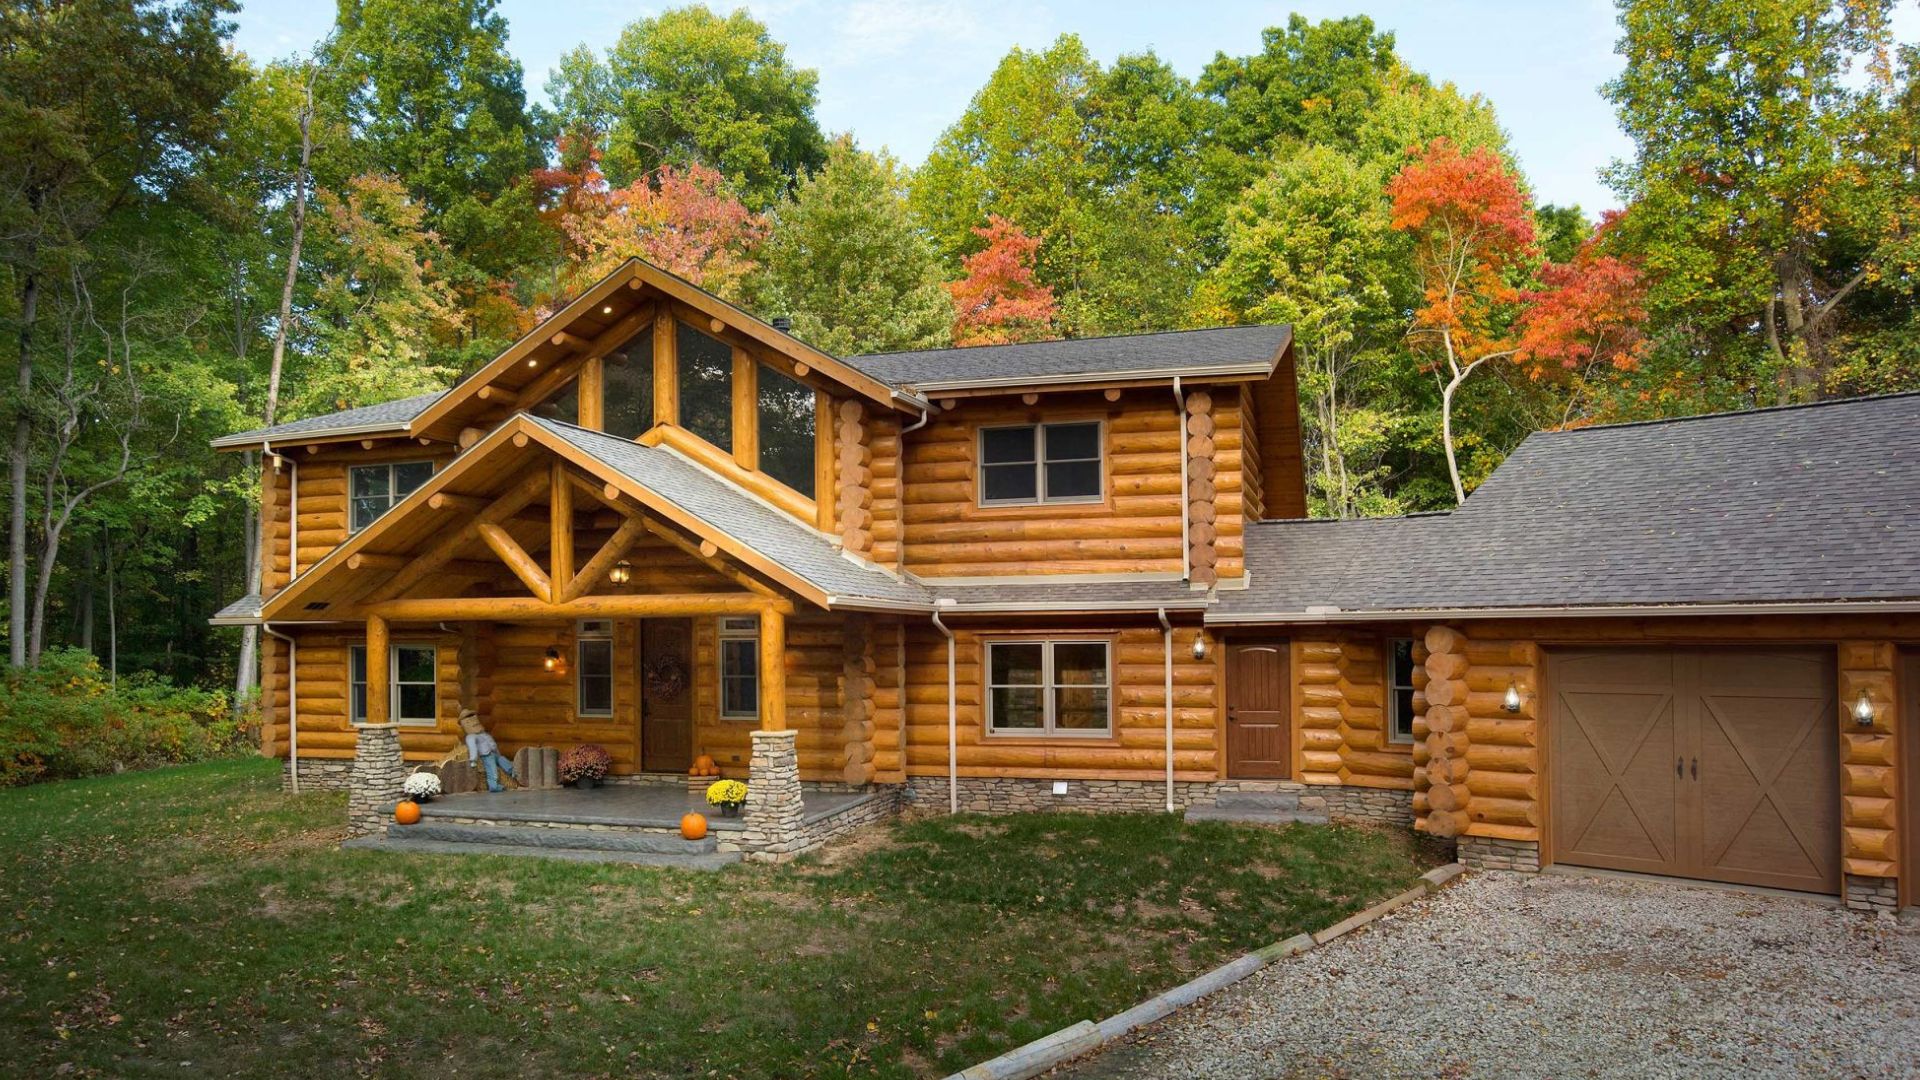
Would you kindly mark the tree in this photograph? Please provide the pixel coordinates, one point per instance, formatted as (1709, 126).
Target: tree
(686, 222)
(694, 88)
(998, 301)
(1770, 191)
(843, 259)
(1585, 322)
(102, 104)
(433, 97)
(1473, 235)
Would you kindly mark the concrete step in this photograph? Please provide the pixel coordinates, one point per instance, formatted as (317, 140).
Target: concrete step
(1257, 800)
(1249, 816)
(712, 860)
(536, 836)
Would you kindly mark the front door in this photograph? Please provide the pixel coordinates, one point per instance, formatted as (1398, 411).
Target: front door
(666, 695)
(1708, 763)
(1259, 714)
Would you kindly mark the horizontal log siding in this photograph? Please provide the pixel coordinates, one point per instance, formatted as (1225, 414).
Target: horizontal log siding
(1253, 494)
(1135, 752)
(322, 669)
(1138, 530)
(1229, 482)
(1339, 714)
(815, 644)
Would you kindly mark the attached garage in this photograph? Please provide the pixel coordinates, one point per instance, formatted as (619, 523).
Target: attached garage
(1720, 764)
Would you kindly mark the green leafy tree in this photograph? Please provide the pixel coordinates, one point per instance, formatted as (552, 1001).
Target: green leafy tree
(1772, 194)
(845, 262)
(693, 87)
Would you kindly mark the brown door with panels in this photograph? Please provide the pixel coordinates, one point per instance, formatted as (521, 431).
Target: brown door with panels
(666, 695)
(1720, 764)
(1259, 713)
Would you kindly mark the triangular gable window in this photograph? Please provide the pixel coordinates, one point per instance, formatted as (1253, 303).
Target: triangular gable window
(627, 387)
(706, 387)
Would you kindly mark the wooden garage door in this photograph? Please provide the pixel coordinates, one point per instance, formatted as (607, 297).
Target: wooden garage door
(1707, 763)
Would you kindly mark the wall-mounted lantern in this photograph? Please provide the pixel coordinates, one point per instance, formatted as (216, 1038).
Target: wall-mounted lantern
(1863, 710)
(1512, 701)
(1200, 645)
(552, 662)
(621, 573)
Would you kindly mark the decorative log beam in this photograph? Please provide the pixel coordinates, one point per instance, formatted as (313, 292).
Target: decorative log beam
(377, 670)
(508, 608)
(517, 560)
(560, 514)
(446, 500)
(570, 340)
(517, 496)
(603, 560)
(367, 560)
(705, 550)
(773, 668)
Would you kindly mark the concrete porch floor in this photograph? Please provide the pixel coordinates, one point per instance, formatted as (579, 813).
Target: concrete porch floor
(629, 805)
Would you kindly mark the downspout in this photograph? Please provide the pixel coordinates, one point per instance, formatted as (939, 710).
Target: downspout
(953, 724)
(900, 544)
(1186, 546)
(293, 703)
(1166, 637)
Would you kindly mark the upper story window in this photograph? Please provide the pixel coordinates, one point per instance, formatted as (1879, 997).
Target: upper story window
(627, 387)
(1049, 688)
(706, 386)
(1041, 463)
(1400, 689)
(786, 416)
(376, 488)
(563, 406)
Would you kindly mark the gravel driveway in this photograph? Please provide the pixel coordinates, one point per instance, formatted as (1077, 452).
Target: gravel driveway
(1557, 976)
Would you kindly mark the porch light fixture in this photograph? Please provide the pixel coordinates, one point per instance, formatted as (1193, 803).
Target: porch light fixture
(1200, 645)
(1512, 701)
(607, 310)
(621, 573)
(552, 662)
(1863, 710)
(533, 363)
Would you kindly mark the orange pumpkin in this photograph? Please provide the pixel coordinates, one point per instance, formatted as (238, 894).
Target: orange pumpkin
(407, 812)
(703, 765)
(693, 826)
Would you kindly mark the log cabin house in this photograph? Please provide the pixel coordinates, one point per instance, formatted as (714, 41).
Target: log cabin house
(1079, 574)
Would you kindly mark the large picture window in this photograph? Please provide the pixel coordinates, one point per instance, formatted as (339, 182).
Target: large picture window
(740, 668)
(593, 669)
(412, 684)
(563, 405)
(706, 386)
(786, 413)
(1041, 463)
(1400, 689)
(627, 387)
(376, 488)
(1049, 688)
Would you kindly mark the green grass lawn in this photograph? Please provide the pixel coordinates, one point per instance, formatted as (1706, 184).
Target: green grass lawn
(196, 920)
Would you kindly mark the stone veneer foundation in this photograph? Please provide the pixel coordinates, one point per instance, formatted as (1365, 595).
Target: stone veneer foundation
(1010, 795)
(1367, 806)
(378, 772)
(773, 817)
(1872, 894)
(1487, 853)
(318, 774)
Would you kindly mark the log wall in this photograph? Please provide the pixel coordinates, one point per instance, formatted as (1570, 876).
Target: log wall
(1136, 751)
(1339, 713)
(323, 499)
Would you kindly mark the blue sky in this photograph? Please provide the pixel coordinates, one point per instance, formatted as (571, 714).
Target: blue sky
(896, 72)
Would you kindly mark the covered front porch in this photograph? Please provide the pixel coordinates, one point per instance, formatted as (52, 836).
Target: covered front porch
(646, 805)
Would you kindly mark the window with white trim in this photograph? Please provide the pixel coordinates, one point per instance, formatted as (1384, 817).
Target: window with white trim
(1050, 687)
(593, 668)
(375, 488)
(1042, 463)
(740, 667)
(1400, 689)
(413, 692)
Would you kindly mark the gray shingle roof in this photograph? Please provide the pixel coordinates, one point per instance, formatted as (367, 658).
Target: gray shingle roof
(241, 611)
(1178, 351)
(1817, 503)
(1037, 593)
(386, 414)
(803, 551)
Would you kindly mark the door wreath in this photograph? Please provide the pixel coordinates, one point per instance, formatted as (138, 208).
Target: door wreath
(664, 678)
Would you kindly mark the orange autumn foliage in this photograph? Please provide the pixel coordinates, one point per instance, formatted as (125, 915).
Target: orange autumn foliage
(998, 301)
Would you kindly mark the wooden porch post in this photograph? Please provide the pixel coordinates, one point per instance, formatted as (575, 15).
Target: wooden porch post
(377, 669)
(773, 669)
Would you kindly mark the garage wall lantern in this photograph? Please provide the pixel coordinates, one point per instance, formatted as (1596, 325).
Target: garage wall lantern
(1512, 701)
(1863, 710)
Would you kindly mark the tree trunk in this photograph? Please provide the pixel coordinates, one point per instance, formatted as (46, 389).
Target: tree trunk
(245, 678)
(87, 573)
(1802, 379)
(113, 621)
(17, 475)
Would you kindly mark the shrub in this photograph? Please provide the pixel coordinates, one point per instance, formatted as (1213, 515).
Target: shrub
(63, 719)
(588, 761)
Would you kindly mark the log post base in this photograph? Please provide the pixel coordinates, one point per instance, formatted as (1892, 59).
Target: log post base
(773, 815)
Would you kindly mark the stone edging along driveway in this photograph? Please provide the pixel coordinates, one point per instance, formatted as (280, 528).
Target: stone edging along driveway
(1087, 1036)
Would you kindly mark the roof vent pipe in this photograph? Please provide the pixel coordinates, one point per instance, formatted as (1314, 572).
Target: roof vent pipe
(783, 324)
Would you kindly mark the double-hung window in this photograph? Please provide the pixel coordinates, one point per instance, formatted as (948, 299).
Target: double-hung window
(1041, 463)
(375, 488)
(740, 667)
(593, 668)
(1049, 687)
(1400, 689)
(412, 684)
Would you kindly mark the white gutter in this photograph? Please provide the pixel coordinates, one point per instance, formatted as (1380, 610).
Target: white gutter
(1335, 615)
(293, 703)
(1245, 367)
(1186, 544)
(953, 724)
(385, 427)
(1166, 637)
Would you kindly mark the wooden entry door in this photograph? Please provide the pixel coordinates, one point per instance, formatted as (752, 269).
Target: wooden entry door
(666, 695)
(1721, 764)
(1259, 713)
